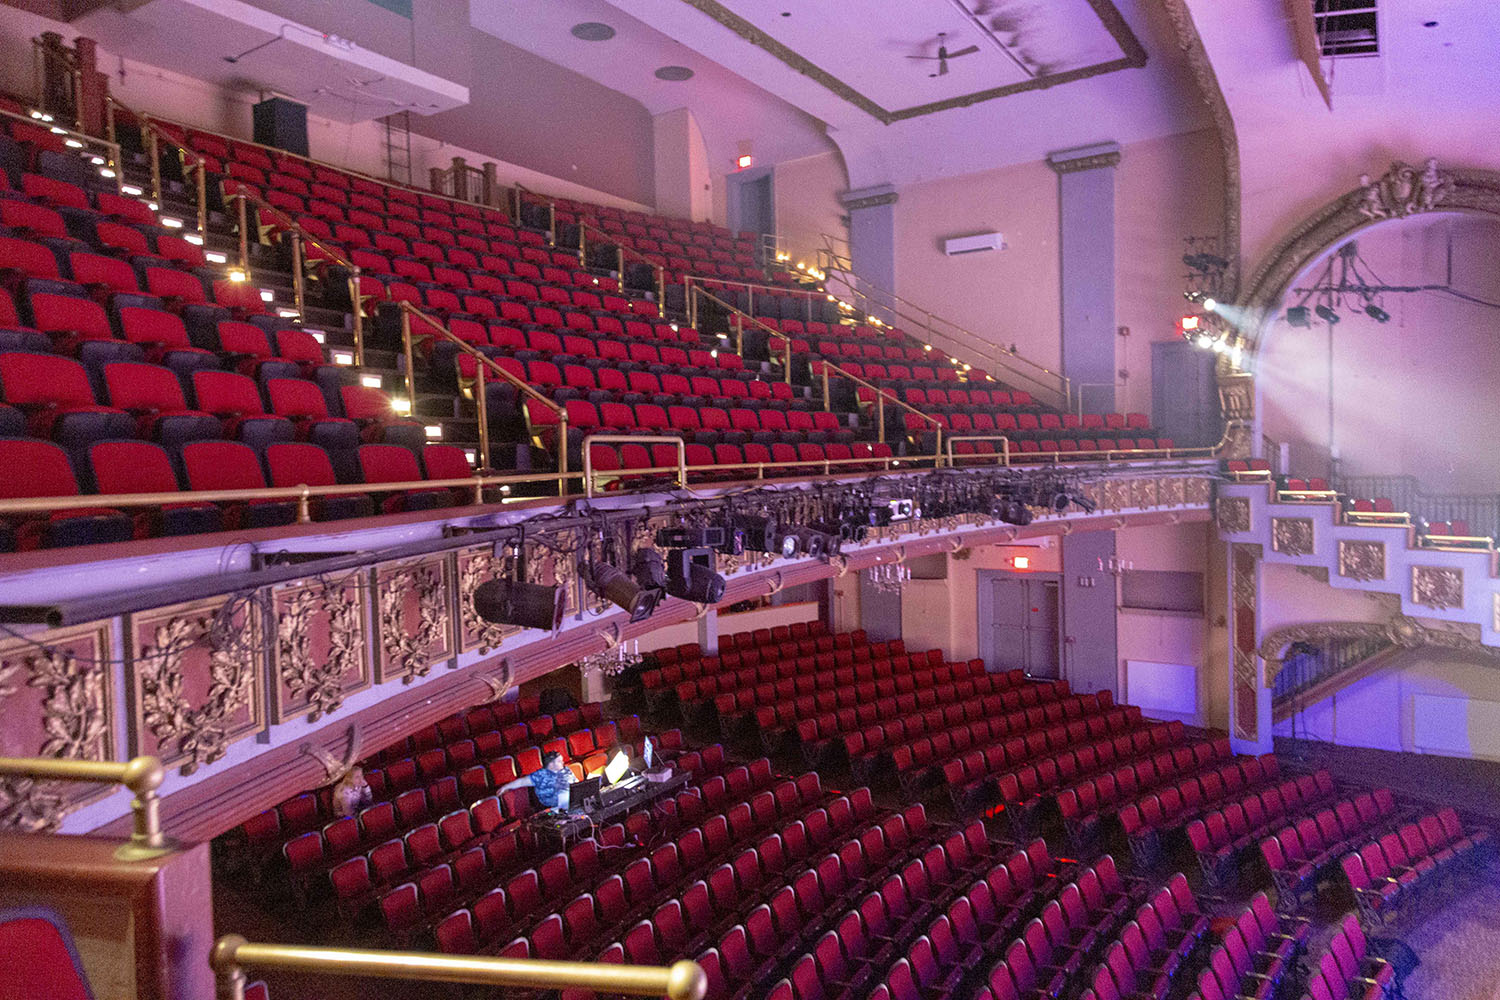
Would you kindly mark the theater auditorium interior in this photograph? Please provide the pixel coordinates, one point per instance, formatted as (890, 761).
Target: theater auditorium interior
(749, 499)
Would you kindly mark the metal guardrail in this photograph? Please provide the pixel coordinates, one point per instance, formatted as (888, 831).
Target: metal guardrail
(80, 142)
(142, 775)
(233, 954)
(621, 252)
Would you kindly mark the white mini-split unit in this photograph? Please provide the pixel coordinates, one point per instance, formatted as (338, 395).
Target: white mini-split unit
(978, 243)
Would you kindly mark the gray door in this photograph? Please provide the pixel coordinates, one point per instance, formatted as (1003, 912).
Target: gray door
(1020, 623)
(757, 211)
(879, 611)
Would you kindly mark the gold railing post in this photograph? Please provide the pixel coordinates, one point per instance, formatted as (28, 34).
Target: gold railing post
(682, 476)
(827, 406)
(739, 334)
(411, 377)
(690, 301)
(937, 462)
(298, 279)
(244, 223)
(142, 775)
(153, 150)
(620, 264)
(661, 288)
(482, 407)
(588, 468)
(583, 257)
(109, 119)
(880, 416)
(562, 453)
(304, 507)
(750, 301)
(359, 316)
(552, 222)
(202, 185)
(788, 343)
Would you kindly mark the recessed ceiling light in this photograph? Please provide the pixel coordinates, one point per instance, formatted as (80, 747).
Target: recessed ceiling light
(674, 73)
(593, 31)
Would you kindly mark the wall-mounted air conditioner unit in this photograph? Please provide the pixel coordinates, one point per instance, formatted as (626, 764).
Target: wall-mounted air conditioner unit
(978, 243)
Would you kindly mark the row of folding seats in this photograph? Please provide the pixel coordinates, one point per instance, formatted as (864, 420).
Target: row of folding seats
(1410, 868)
(1160, 812)
(820, 672)
(509, 301)
(1255, 959)
(1222, 837)
(633, 373)
(787, 830)
(1346, 969)
(748, 461)
(494, 716)
(703, 426)
(1025, 790)
(749, 648)
(1085, 804)
(866, 738)
(1301, 852)
(967, 397)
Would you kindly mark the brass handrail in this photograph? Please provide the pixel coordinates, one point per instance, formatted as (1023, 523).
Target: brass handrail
(481, 362)
(278, 151)
(620, 253)
(520, 190)
(233, 954)
(113, 164)
(240, 196)
(741, 317)
(142, 775)
(153, 134)
(836, 265)
(645, 439)
(688, 280)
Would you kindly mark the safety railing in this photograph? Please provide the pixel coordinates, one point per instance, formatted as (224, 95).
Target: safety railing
(1008, 455)
(142, 775)
(827, 368)
(232, 955)
(153, 137)
(482, 362)
(103, 154)
(838, 270)
(300, 238)
(1000, 457)
(739, 320)
(622, 252)
(519, 193)
(751, 289)
(594, 479)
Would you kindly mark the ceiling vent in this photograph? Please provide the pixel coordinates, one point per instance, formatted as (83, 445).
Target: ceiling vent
(1346, 27)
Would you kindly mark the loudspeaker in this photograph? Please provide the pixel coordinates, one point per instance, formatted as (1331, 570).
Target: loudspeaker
(283, 124)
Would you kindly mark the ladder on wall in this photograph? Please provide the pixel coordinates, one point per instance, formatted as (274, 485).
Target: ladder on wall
(398, 147)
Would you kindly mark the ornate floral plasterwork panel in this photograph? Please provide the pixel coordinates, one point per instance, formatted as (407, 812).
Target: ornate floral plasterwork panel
(1361, 560)
(412, 608)
(320, 653)
(196, 673)
(1197, 490)
(1244, 560)
(1437, 586)
(1292, 536)
(1143, 492)
(1172, 492)
(1233, 515)
(56, 700)
(475, 566)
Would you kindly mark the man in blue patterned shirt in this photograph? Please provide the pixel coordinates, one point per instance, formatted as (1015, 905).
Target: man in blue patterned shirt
(548, 781)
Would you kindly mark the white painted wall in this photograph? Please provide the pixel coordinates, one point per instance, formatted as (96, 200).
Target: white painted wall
(684, 188)
(1163, 650)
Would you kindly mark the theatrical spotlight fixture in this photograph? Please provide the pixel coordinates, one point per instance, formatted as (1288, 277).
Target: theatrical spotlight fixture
(817, 540)
(1326, 314)
(760, 534)
(1193, 295)
(1210, 304)
(619, 589)
(709, 537)
(529, 605)
(1010, 510)
(1376, 313)
(691, 576)
(648, 568)
(1298, 316)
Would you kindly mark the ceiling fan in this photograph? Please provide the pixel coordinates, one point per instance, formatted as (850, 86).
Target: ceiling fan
(943, 55)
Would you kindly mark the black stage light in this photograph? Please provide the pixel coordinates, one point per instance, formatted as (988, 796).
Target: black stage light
(648, 568)
(1011, 510)
(619, 589)
(1084, 503)
(710, 537)
(529, 605)
(760, 534)
(691, 576)
(1298, 316)
(1376, 313)
(1326, 314)
(1060, 502)
(818, 542)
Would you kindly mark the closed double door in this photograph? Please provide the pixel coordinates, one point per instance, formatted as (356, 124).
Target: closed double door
(1019, 624)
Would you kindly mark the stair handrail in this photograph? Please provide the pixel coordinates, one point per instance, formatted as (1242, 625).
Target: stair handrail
(242, 196)
(621, 252)
(881, 395)
(834, 266)
(689, 280)
(112, 148)
(482, 362)
(141, 775)
(232, 954)
(518, 193)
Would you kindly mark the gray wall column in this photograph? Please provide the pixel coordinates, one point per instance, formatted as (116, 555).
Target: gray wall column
(1090, 650)
(872, 238)
(1086, 224)
(708, 632)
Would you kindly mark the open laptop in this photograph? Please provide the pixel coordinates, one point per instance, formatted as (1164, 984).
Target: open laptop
(579, 793)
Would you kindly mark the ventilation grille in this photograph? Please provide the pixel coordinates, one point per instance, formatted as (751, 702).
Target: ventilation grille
(1347, 27)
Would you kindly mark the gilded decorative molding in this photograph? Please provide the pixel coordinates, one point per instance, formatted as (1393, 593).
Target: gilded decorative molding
(320, 650)
(1361, 560)
(1495, 622)
(476, 566)
(55, 699)
(1292, 536)
(1116, 494)
(413, 619)
(1401, 631)
(1244, 560)
(1172, 492)
(1143, 492)
(197, 687)
(1207, 80)
(1078, 164)
(1233, 515)
(1402, 191)
(1437, 586)
(1133, 56)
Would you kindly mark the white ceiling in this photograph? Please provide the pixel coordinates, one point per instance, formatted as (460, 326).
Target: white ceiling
(346, 84)
(728, 108)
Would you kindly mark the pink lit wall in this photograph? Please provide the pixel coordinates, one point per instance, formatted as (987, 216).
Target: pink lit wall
(807, 203)
(1415, 395)
(1171, 645)
(684, 189)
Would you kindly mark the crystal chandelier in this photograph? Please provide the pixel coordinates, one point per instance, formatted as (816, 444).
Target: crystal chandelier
(888, 577)
(612, 661)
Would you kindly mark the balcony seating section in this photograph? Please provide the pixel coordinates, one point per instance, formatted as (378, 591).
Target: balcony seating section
(1411, 867)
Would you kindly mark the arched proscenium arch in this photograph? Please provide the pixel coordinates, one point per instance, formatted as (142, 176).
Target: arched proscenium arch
(1403, 191)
